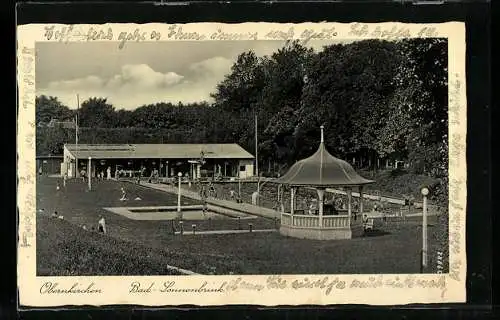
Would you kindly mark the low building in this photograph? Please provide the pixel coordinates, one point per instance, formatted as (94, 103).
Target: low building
(50, 164)
(195, 160)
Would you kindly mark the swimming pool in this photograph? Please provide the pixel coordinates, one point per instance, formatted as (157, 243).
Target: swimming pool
(191, 212)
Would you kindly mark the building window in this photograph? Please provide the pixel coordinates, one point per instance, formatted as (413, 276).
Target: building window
(242, 168)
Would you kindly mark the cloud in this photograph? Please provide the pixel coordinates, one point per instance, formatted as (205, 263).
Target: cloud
(139, 84)
(214, 67)
(131, 76)
(144, 77)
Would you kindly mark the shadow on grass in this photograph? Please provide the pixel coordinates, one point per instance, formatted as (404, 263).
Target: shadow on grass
(375, 233)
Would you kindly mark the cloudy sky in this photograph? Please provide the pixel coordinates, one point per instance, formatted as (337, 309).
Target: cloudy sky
(140, 73)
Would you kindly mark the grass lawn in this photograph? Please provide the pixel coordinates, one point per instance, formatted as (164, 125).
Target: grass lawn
(134, 247)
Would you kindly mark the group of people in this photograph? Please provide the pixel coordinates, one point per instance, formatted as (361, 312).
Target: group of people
(101, 226)
(206, 191)
(100, 174)
(331, 206)
(101, 223)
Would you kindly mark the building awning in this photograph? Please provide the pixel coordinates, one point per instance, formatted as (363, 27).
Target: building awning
(158, 151)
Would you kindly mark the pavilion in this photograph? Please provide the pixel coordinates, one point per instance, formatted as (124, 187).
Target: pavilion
(321, 171)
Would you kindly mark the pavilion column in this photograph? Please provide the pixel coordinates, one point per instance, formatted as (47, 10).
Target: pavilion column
(349, 202)
(321, 194)
(77, 172)
(292, 203)
(361, 209)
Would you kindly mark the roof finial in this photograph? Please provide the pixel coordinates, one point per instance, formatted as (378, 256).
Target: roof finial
(322, 136)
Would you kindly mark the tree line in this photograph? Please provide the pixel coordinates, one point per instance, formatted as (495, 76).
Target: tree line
(376, 99)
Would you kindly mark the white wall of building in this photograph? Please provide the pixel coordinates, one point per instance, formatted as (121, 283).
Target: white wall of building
(68, 166)
(245, 169)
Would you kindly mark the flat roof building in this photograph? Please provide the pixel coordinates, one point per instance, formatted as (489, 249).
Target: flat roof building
(195, 160)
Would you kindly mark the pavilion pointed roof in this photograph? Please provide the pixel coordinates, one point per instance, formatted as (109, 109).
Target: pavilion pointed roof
(322, 170)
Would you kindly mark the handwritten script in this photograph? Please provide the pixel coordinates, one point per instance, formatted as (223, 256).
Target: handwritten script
(27, 92)
(456, 185)
(181, 33)
(327, 284)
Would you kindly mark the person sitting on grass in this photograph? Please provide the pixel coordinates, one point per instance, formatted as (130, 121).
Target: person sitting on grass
(124, 195)
(238, 198)
(101, 225)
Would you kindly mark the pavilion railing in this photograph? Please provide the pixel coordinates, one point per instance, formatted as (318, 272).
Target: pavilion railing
(305, 221)
(336, 221)
(286, 219)
(312, 221)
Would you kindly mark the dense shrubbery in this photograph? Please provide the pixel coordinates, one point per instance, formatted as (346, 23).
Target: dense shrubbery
(399, 183)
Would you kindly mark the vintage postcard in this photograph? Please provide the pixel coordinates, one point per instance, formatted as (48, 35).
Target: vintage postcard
(255, 163)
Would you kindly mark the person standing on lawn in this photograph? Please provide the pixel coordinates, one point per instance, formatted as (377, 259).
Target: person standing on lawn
(205, 207)
(211, 190)
(101, 225)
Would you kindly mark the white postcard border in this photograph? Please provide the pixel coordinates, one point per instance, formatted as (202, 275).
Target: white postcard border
(392, 289)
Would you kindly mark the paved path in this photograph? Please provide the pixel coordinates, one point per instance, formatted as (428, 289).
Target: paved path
(191, 233)
(241, 207)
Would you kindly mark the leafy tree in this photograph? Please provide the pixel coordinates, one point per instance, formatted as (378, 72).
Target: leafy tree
(48, 108)
(96, 113)
(346, 92)
(417, 118)
(285, 72)
(51, 140)
(241, 88)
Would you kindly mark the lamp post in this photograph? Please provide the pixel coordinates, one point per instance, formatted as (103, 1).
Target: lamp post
(424, 192)
(90, 173)
(179, 193)
(239, 187)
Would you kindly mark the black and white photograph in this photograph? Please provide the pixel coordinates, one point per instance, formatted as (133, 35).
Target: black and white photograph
(284, 156)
